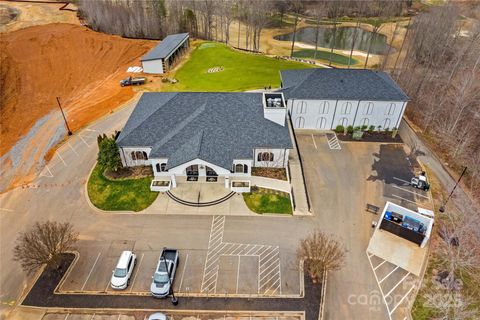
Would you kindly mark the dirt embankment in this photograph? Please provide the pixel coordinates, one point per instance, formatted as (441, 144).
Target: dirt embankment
(80, 66)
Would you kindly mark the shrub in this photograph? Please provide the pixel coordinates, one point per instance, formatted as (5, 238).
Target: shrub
(357, 128)
(364, 127)
(387, 130)
(371, 129)
(108, 154)
(350, 129)
(339, 129)
(379, 128)
(254, 189)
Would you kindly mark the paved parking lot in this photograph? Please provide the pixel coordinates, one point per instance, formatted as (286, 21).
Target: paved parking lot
(224, 268)
(144, 315)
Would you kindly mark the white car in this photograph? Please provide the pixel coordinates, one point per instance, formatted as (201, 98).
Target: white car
(123, 271)
(157, 316)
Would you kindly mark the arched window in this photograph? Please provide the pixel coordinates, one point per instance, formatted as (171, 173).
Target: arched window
(163, 167)
(139, 155)
(238, 168)
(321, 123)
(157, 166)
(301, 107)
(364, 122)
(145, 157)
(386, 124)
(134, 157)
(343, 122)
(265, 156)
(324, 107)
(300, 122)
(391, 109)
(368, 109)
(346, 108)
(245, 168)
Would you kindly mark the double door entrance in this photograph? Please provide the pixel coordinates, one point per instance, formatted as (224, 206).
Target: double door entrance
(194, 171)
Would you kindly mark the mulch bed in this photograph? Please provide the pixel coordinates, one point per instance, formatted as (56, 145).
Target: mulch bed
(270, 191)
(372, 137)
(273, 173)
(129, 173)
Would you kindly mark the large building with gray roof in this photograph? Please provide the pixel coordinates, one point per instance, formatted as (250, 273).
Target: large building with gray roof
(205, 136)
(326, 98)
(164, 56)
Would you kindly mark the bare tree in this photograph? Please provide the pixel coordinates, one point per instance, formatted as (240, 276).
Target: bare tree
(322, 253)
(44, 244)
(296, 6)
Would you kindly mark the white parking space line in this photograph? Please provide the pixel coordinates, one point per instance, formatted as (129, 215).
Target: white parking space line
(80, 136)
(314, 143)
(137, 267)
(380, 264)
(238, 274)
(417, 194)
(91, 270)
(119, 316)
(398, 283)
(5, 209)
(74, 151)
(401, 300)
(183, 273)
(91, 130)
(66, 317)
(401, 180)
(93, 316)
(60, 157)
(388, 275)
(394, 195)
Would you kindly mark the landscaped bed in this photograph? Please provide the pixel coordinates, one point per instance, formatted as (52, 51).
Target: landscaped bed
(273, 173)
(119, 195)
(262, 200)
(371, 137)
(240, 70)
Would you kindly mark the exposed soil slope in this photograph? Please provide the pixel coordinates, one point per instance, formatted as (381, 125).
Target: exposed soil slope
(80, 66)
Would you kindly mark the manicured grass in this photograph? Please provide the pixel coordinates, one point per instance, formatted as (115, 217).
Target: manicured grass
(241, 70)
(267, 203)
(121, 195)
(324, 55)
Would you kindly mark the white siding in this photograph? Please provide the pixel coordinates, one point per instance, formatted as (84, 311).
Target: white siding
(127, 160)
(328, 114)
(152, 66)
(280, 158)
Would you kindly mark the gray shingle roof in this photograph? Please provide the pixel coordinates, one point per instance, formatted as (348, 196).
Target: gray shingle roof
(340, 84)
(165, 47)
(215, 127)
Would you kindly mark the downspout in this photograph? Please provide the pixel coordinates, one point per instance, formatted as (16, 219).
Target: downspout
(334, 115)
(356, 112)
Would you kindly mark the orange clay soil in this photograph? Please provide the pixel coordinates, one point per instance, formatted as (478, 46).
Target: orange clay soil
(81, 66)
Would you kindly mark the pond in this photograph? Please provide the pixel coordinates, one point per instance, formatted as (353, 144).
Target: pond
(344, 37)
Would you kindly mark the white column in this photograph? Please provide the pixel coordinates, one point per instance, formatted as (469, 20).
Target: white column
(174, 181)
(227, 182)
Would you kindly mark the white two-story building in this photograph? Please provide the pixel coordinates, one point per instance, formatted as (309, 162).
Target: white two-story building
(206, 137)
(326, 98)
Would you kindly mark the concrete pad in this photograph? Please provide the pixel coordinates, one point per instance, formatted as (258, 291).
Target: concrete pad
(20, 313)
(227, 275)
(290, 273)
(397, 251)
(248, 275)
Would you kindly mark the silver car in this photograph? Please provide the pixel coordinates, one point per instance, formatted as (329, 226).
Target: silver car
(166, 265)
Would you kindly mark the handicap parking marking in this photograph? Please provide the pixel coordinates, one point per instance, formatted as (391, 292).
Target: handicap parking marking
(48, 172)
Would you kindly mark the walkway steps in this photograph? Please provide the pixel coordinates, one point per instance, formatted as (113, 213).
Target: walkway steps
(200, 204)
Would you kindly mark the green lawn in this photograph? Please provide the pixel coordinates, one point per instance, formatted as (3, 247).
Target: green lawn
(267, 203)
(241, 70)
(324, 55)
(121, 195)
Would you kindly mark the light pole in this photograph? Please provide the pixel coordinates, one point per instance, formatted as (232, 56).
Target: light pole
(442, 207)
(174, 299)
(64, 118)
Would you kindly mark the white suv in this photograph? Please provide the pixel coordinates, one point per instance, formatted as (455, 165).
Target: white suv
(122, 273)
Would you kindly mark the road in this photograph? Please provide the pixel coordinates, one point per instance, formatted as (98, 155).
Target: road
(337, 181)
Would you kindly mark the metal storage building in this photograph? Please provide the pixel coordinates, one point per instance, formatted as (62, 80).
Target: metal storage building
(164, 56)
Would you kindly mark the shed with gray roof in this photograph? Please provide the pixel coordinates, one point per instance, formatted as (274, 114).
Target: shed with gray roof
(164, 56)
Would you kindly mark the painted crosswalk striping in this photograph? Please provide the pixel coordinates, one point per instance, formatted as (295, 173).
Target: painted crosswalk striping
(269, 271)
(333, 142)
